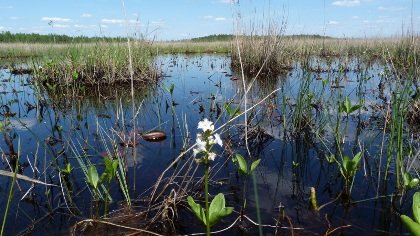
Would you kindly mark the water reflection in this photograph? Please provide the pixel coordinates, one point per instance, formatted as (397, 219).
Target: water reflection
(291, 131)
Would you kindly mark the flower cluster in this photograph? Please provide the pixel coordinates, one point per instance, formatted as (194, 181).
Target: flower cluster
(206, 140)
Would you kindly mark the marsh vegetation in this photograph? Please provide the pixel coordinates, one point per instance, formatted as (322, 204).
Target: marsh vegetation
(306, 135)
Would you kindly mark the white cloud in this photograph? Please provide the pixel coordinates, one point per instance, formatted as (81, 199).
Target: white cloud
(55, 19)
(112, 21)
(118, 21)
(215, 18)
(13, 18)
(86, 15)
(2, 27)
(346, 3)
(333, 22)
(158, 23)
(61, 26)
(84, 26)
(382, 8)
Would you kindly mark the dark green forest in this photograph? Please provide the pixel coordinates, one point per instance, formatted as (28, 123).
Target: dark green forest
(8, 37)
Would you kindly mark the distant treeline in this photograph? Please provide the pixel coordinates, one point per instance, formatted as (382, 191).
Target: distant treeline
(7, 37)
(228, 37)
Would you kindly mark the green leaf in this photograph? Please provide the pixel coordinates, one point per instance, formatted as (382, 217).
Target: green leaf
(170, 89)
(254, 165)
(346, 161)
(110, 169)
(92, 177)
(412, 227)
(357, 158)
(67, 170)
(243, 167)
(416, 207)
(414, 183)
(218, 209)
(75, 75)
(232, 113)
(354, 108)
(347, 105)
(197, 209)
(410, 182)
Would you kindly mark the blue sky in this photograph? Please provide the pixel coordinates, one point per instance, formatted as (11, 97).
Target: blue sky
(179, 19)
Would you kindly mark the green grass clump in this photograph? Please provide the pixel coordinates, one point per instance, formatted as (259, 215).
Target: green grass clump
(100, 63)
(258, 54)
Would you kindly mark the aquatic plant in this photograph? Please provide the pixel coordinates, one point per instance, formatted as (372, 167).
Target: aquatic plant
(217, 209)
(93, 64)
(243, 166)
(413, 226)
(347, 107)
(348, 168)
(11, 191)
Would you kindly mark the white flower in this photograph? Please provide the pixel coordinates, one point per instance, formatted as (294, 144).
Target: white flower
(212, 155)
(218, 140)
(206, 125)
(196, 151)
(201, 145)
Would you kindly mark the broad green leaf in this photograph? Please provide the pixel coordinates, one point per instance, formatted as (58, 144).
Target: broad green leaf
(243, 167)
(197, 209)
(218, 209)
(412, 227)
(354, 108)
(416, 207)
(92, 177)
(347, 105)
(346, 161)
(357, 158)
(218, 203)
(110, 169)
(254, 165)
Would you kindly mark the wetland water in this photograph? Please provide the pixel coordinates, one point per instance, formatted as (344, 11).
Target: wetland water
(292, 132)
